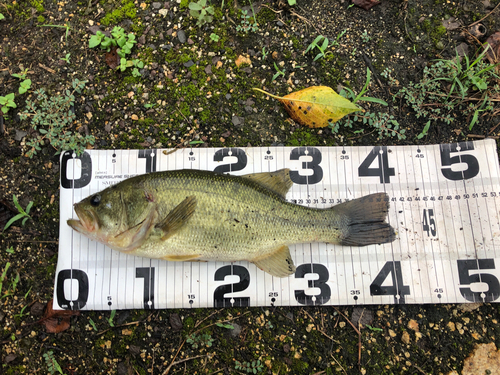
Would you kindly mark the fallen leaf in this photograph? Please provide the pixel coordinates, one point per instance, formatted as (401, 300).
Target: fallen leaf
(316, 106)
(112, 58)
(56, 321)
(493, 53)
(365, 4)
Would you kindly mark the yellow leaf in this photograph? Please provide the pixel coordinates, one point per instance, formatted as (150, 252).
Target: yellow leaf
(316, 106)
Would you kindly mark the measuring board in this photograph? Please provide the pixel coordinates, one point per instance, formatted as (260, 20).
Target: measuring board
(444, 206)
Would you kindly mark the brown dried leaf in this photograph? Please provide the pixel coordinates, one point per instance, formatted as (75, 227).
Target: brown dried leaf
(493, 53)
(112, 58)
(365, 4)
(56, 321)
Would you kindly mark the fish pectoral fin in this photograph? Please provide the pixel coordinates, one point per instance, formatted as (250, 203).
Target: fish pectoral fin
(182, 258)
(177, 218)
(279, 263)
(278, 181)
(134, 237)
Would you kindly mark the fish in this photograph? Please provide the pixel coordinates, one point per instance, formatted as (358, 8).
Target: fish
(196, 215)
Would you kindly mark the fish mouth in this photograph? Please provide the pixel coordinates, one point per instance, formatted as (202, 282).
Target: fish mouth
(88, 222)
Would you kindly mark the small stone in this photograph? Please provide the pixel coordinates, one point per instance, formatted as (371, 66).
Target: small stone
(237, 120)
(405, 337)
(20, 134)
(143, 6)
(37, 309)
(134, 117)
(189, 64)
(413, 325)
(208, 69)
(392, 333)
(91, 23)
(182, 36)
(242, 60)
(175, 322)
(156, 5)
(163, 12)
(228, 96)
(451, 326)
(134, 350)
(89, 115)
(9, 358)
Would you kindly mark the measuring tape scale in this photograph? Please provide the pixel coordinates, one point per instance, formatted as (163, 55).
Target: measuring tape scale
(443, 205)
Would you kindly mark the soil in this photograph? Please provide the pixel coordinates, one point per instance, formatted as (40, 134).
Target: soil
(190, 92)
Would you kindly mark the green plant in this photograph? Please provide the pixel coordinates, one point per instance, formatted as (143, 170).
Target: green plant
(214, 37)
(383, 123)
(278, 72)
(264, 53)
(375, 329)
(200, 340)
(111, 317)
(52, 363)
(2, 17)
(425, 130)
(7, 102)
(21, 215)
(22, 75)
(253, 367)
(10, 250)
(365, 37)
(246, 25)
(13, 286)
(24, 86)
(226, 326)
(93, 324)
(51, 117)
(292, 2)
(66, 58)
(65, 26)
(201, 11)
(322, 48)
(450, 89)
(123, 42)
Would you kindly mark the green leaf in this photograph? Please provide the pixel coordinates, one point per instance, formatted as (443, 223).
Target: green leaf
(195, 6)
(13, 220)
(94, 41)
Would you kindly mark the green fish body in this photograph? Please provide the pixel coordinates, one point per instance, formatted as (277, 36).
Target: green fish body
(193, 215)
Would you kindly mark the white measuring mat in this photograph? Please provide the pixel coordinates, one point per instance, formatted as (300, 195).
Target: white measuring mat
(444, 206)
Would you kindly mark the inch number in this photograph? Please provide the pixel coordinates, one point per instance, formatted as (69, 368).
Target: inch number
(313, 165)
(227, 152)
(466, 278)
(221, 291)
(150, 156)
(72, 303)
(321, 283)
(148, 274)
(68, 182)
(428, 222)
(447, 161)
(383, 170)
(397, 289)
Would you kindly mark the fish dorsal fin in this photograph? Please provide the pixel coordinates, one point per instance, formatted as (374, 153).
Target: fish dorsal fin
(178, 217)
(279, 263)
(278, 181)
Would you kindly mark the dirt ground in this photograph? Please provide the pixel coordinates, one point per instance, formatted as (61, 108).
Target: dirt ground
(192, 91)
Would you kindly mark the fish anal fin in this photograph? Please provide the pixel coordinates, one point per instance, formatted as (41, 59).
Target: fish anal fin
(181, 258)
(278, 181)
(178, 217)
(278, 263)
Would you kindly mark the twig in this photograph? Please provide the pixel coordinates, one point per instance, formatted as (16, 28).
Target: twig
(181, 361)
(474, 23)
(357, 331)
(124, 325)
(47, 68)
(335, 359)
(481, 136)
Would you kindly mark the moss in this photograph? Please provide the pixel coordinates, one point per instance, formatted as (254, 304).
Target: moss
(41, 19)
(128, 10)
(38, 5)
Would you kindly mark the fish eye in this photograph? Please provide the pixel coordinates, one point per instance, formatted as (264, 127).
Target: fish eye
(95, 200)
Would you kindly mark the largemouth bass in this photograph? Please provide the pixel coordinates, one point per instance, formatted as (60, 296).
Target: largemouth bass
(193, 215)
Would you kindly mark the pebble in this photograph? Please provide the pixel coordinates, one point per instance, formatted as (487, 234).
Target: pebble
(182, 36)
(157, 5)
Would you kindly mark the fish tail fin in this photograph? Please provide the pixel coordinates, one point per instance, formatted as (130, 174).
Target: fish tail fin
(366, 223)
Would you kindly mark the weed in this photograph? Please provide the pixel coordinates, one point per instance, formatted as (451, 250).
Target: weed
(10, 250)
(66, 58)
(111, 317)
(253, 367)
(7, 102)
(21, 215)
(322, 48)
(385, 124)
(65, 26)
(50, 117)
(278, 72)
(52, 363)
(214, 37)
(375, 329)
(365, 37)
(227, 326)
(264, 53)
(13, 286)
(2, 16)
(246, 25)
(449, 89)
(425, 130)
(292, 2)
(200, 340)
(93, 324)
(21, 75)
(202, 12)
(24, 86)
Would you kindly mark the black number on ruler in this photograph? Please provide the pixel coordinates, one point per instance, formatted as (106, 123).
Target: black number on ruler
(148, 274)
(397, 289)
(466, 278)
(83, 289)
(86, 167)
(447, 161)
(221, 291)
(150, 156)
(428, 222)
(225, 152)
(317, 175)
(383, 170)
(321, 283)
